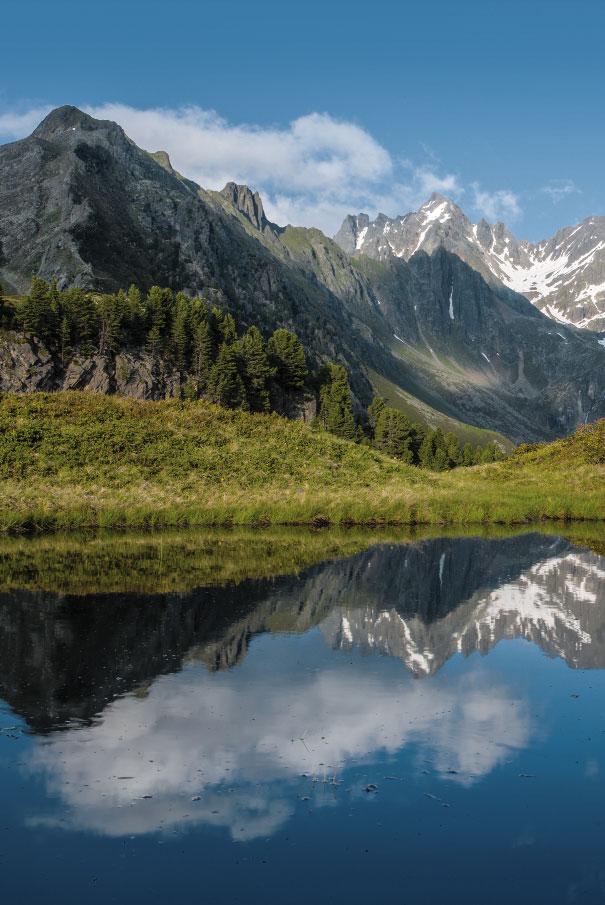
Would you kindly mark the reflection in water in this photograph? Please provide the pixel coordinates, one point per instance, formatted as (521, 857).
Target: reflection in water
(200, 732)
(66, 657)
(228, 707)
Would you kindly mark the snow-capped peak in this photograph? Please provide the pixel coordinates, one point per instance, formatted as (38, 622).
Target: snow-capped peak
(563, 276)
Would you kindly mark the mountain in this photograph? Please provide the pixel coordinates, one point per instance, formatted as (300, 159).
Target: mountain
(452, 347)
(80, 202)
(563, 276)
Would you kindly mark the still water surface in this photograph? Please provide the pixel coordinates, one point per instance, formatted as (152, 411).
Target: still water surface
(414, 723)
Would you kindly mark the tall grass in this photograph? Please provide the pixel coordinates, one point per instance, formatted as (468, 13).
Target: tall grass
(77, 460)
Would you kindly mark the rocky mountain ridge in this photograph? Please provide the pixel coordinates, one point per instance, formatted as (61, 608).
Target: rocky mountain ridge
(80, 202)
(563, 276)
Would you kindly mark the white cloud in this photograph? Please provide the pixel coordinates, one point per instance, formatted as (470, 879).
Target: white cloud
(136, 769)
(311, 172)
(558, 189)
(16, 125)
(427, 181)
(499, 205)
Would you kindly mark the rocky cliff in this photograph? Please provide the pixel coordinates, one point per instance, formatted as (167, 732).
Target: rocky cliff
(79, 202)
(564, 276)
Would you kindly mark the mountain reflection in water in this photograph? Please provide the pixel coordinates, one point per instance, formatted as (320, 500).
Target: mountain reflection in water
(226, 707)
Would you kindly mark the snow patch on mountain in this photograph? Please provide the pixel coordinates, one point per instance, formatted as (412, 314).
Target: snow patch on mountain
(563, 276)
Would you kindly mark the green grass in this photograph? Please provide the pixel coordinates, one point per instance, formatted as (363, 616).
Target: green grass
(419, 411)
(74, 460)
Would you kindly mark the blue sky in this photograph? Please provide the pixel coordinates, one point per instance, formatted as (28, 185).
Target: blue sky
(330, 106)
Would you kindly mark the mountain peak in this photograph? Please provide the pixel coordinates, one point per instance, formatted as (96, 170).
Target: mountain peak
(67, 119)
(437, 198)
(61, 119)
(440, 206)
(247, 203)
(163, 159)
(562, 276)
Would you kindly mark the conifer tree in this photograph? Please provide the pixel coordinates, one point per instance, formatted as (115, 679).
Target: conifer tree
(179, 332)
(288, 358)
(84, 317)
(156, 318)
(65, 349)
(227, 329)
(454, 453)
(336, 404)
(426, 452)
(440, 457)
(202, 355)
(377, 406)
(257, 369)
(468, 455)
(35, 315)
(109, 324)
(135, 315)
(394, 434)
(198, 312)
(225, 385)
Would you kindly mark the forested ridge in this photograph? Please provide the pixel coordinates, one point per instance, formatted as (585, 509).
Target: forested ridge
(214, 358)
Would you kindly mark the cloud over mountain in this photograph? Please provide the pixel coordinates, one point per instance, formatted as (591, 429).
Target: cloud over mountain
(310, 172)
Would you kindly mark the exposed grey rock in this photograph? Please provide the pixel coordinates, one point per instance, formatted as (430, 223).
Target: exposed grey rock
(89, 374)
(247, 202)
(25, 366)
(564, 276)
(80, 202)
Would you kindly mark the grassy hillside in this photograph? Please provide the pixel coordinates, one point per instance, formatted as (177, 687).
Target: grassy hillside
(418, 411)
(78, 459)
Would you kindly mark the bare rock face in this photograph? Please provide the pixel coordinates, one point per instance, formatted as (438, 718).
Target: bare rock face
(27, 367)
(134, 376)
(24, 366)
(419, 303)
(248, 203)
(563, 276)
(89, 374)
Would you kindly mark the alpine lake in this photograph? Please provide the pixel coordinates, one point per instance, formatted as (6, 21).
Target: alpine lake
(296, 716)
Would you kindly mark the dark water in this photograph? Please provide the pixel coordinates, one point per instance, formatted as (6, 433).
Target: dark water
(414, 723)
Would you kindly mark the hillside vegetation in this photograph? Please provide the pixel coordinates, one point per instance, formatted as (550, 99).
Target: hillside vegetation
(78, 459)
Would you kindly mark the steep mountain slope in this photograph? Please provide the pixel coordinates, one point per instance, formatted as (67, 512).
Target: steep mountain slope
(485, 354)
(80, 202)
(564, 276)
(466, 349)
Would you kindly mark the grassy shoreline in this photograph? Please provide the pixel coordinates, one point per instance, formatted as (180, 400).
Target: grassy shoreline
(166, 562)
(77, 460)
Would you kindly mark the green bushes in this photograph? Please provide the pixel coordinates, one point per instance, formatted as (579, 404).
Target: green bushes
(394, 434)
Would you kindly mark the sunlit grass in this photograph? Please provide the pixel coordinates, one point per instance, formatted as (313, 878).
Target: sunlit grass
(77, 460)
